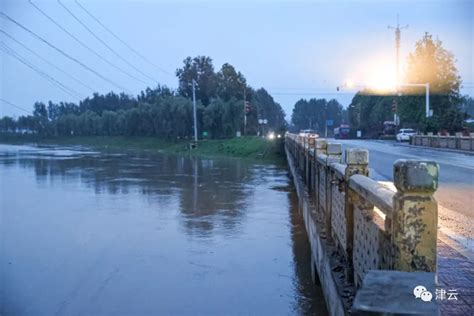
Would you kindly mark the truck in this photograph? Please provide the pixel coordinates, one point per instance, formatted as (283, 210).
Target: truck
(389, 128)
(342, 132)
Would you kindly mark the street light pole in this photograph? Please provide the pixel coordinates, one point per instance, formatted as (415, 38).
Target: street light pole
(427, 105)
(194, 111)
(245, 114)
(427, 92)
(397, 49)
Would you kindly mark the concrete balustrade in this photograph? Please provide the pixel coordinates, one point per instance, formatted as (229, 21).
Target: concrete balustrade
(458, 141)
(368, 225)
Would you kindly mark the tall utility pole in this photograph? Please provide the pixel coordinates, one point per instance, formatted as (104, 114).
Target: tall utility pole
(397, 48)
(194, 112)
(245, 112)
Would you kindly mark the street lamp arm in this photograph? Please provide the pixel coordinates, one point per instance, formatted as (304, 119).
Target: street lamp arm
(427, 91)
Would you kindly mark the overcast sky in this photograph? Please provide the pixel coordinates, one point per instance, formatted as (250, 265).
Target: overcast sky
(293, 49)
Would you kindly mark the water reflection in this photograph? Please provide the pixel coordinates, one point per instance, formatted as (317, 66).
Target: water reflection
(96, 227)
(211, 193)
(306, 302)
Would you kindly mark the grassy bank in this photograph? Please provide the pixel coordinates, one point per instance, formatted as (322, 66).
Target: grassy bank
(253, 148)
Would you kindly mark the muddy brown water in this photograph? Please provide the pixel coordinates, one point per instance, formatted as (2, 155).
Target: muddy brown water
(137, 233)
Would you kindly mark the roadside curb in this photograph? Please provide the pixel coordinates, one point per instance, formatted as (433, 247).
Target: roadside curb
(470, 153)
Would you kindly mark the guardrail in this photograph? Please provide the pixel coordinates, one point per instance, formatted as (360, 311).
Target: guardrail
(375, 226)
(457, 141)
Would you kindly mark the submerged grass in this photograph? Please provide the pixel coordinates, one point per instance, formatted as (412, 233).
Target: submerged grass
(251, 147)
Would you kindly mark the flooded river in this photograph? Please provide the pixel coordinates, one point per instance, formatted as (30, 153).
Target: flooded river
(136, 233)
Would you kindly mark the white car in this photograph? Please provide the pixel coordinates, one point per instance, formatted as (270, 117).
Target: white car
(309, 133)
(404, 134)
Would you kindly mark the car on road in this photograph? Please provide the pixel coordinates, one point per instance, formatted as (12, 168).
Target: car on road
(404, 134)
(309, 132)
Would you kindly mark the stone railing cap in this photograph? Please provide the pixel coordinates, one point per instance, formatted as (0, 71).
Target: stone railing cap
(415, 175)
(321, 143)
(357, 156)
(385, 292)
(334, 149)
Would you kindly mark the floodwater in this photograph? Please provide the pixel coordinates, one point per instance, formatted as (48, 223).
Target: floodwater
(136, 233)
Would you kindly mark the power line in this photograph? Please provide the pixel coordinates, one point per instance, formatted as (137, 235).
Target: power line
(46, 61)
(10, 51)
(17, 56)
(84, 45)
(63, 52)
(16, 106)
(120, 40)
(104, 43)
(314, 94)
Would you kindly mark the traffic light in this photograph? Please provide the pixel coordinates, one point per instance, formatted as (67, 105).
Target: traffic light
(248, 108)
(394, 106)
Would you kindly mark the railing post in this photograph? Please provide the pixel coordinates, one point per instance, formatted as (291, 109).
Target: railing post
(311, 164)
(307, 169)
(415, 215)
(301, 156)
(334, 152)
(357, 161)
(320, 148)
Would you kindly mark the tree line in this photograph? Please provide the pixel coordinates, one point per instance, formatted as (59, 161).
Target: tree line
(161, 111)
(315, 113)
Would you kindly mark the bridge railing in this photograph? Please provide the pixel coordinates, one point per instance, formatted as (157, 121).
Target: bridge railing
(375, 225)
(457, 141)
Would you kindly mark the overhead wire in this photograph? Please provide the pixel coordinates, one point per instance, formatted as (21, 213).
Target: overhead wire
(10, 51)
(120, 40)
(85, 45)
(47, 62)
(15, 106)
(62, 52)
(104, 43)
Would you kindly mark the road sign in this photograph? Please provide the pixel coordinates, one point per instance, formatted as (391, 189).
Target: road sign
(329, 122)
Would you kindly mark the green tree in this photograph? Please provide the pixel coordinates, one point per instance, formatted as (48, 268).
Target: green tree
(200, 69)
(467, 106)
(367, 112)
(313, 114)
(265, 107)
(40, 110)
(230, 83)
(7, 124)
(433, 64)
